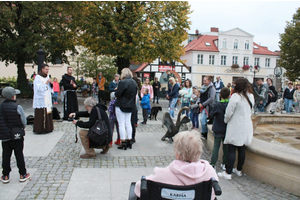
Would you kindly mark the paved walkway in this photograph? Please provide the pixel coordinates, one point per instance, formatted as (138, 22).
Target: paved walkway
(58, 172)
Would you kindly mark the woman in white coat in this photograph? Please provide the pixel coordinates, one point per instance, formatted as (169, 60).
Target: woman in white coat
(239, 130)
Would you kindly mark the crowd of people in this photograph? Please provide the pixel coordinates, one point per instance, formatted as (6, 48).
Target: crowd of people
(229, 107)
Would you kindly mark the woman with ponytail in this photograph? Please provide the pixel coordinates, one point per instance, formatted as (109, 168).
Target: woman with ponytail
(239, 130)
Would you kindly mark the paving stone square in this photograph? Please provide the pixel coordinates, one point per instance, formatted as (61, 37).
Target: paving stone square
(59, 173)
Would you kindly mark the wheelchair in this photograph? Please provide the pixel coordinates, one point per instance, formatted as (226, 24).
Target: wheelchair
(159, 191)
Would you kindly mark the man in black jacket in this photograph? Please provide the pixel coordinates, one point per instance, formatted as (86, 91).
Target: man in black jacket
(156, 86)
(70, 98)
(12, 115)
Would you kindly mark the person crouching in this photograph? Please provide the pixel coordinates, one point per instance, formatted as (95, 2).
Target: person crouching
(88, 145)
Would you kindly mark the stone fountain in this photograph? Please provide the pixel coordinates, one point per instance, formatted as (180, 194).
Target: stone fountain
(274, 154)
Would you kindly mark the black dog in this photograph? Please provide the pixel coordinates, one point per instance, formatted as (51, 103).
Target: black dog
(154, 111)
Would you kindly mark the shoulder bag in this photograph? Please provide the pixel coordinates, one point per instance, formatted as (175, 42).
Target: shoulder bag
(99, 132)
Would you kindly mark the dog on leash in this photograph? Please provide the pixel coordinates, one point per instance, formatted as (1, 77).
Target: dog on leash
(154, 111)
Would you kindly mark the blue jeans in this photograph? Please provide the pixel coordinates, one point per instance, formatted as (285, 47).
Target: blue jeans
(217, 99)
(288, 104)
(154, 98)
(172, 106)
(261, 107)
(195, 119)
(203, 120)
(55, 96)
(185, 111)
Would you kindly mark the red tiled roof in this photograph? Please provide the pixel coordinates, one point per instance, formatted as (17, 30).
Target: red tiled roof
(199, 44)
(263, 50)
(140, 68)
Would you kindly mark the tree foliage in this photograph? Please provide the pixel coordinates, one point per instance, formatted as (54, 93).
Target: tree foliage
(137, 31)
(290, 48)
(25, 25)
(89, 64)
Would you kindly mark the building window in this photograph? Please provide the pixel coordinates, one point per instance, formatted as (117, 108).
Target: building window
(247, 45)
(223, 60)
(246, 60)
(256, 61)
(200, 59)
(235, 44)
(224, 43)
(267, 62)
(211, 59)
(234, 60)
(207, 44)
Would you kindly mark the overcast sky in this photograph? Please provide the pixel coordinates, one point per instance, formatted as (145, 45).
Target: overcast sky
(263, 19)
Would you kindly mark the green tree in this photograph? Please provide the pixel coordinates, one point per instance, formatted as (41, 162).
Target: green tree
(25, 25)
(290, 48)
(89, 64)
(136, 30)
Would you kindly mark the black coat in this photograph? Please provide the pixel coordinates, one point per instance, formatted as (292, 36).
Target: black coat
(288, 94)
(126, 94)
(274, 98)
(93, 117)
(156, 89)
(65, 81)
(218, 112)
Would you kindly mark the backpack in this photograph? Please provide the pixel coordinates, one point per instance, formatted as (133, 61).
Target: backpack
(99, 132)
(55, 113)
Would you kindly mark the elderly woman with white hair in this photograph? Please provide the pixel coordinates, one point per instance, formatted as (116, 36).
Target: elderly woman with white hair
(91, 112)
(188, 168)
(125, 103)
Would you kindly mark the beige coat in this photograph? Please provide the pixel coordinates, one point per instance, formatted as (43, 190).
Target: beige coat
(238, 118)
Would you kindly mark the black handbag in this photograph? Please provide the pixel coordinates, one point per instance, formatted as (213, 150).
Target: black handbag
(16, 132)
(99, 132)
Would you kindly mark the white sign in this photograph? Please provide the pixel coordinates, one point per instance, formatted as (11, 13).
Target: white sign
(178, 194)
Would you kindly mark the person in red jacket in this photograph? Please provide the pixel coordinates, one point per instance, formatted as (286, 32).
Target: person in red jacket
(56, 90)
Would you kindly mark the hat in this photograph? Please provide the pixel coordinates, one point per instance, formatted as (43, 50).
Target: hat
(195, 87)
(9, 92)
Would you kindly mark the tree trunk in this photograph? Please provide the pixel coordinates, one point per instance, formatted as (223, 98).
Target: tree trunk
(22, 80)
(122, 63)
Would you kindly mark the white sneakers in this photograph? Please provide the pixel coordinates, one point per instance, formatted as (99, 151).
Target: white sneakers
(224, 175)
(228, 176)
(223, 167)
(237, 172)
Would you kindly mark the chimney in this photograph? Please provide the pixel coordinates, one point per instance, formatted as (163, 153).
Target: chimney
(197, 31)
(214, 29)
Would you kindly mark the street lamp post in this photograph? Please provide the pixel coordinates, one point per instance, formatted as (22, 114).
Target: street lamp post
(41, 55)
(255, 70)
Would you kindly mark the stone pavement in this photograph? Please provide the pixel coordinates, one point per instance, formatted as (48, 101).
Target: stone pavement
(58, 172)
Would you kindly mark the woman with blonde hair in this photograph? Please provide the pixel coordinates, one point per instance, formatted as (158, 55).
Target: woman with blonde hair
(188, 168)
(173, 95)
(125, 103)
(149, 87)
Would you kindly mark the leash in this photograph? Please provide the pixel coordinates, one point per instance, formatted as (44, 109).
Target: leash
(76, 138)
(205, 110)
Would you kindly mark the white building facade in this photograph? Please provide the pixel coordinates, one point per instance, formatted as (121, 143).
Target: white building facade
(215, 52)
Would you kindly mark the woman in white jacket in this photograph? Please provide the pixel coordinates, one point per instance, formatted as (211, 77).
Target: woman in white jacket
(239, 130)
